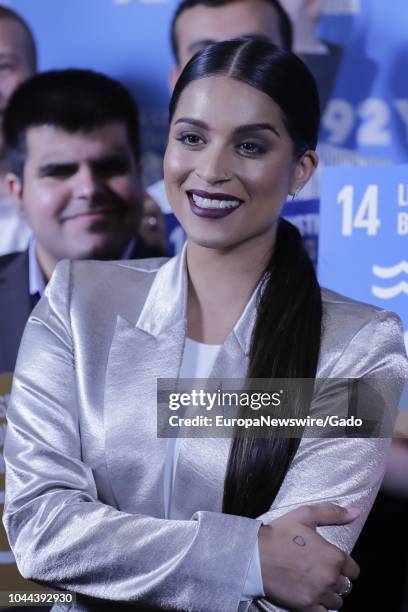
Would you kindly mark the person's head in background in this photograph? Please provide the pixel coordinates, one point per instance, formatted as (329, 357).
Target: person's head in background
(198, 23)
(72, 143)
(305, 15)
(18, 57)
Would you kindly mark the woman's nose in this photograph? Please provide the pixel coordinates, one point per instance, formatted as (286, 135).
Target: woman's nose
(214, 168)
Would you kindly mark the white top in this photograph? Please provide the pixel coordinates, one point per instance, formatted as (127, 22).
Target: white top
(198, 360)
(14, 232)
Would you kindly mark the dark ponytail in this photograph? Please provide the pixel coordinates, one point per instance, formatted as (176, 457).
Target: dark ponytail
(287, 332)
(285, 344)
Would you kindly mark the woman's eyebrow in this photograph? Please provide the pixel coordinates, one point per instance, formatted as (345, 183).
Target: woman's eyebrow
(195, 122)
(242, 129)
(255, 127)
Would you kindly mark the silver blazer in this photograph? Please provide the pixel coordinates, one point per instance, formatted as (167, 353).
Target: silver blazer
(85, 498)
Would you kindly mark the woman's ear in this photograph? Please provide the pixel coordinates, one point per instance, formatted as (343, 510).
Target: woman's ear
(304, 169)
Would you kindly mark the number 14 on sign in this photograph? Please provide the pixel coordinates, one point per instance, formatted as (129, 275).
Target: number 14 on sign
(361, 216)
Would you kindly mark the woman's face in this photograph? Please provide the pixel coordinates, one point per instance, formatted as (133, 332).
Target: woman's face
(229, 163)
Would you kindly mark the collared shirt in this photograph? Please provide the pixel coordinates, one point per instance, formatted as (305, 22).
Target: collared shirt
(36, 279)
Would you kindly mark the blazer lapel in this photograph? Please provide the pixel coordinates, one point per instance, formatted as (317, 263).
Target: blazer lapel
(140, 353)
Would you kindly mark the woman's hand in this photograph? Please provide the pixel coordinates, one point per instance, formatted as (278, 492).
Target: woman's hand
(300, 569)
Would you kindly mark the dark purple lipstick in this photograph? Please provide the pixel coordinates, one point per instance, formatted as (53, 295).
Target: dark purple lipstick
(212, 213)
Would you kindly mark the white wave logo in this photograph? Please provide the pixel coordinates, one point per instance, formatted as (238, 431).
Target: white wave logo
(388, 293)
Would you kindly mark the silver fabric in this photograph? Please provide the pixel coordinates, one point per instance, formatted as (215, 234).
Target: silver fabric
(84, 493)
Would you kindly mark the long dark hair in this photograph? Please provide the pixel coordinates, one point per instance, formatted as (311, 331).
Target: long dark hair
(287, 332)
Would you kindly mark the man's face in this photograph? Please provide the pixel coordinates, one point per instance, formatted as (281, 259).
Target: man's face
(81, 192)
(200, 26)
(14, 60)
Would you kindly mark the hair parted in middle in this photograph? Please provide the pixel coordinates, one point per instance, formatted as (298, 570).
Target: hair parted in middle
(278, 73)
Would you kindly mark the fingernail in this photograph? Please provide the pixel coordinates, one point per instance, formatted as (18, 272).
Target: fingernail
(353, 512)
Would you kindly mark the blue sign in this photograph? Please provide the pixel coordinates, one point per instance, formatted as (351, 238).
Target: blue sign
(364, 235)
(305, 215)
(129, 40)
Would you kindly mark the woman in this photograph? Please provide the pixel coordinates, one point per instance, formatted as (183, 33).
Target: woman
(97, 503)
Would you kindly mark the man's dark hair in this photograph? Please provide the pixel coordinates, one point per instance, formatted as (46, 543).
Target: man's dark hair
(8, 14)
(285, 24)
(73, 100)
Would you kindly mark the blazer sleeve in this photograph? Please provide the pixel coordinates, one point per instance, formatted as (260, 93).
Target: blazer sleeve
(61, 534)
(347, 471)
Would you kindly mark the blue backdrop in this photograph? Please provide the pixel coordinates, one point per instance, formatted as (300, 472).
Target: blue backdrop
(129, 40)
(367, 112)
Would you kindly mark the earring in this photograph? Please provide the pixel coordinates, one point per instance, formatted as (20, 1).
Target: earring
(295, 193)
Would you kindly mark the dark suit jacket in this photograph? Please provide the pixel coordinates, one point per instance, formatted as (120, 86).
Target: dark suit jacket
(16, 303)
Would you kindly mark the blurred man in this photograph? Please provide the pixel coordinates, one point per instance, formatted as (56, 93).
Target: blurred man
(199, 23)
(304, 16)
(322, 57)
(18, 61)
(72, 142)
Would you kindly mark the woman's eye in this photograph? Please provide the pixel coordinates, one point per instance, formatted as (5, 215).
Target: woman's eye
(191, 140)
(250, 148)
